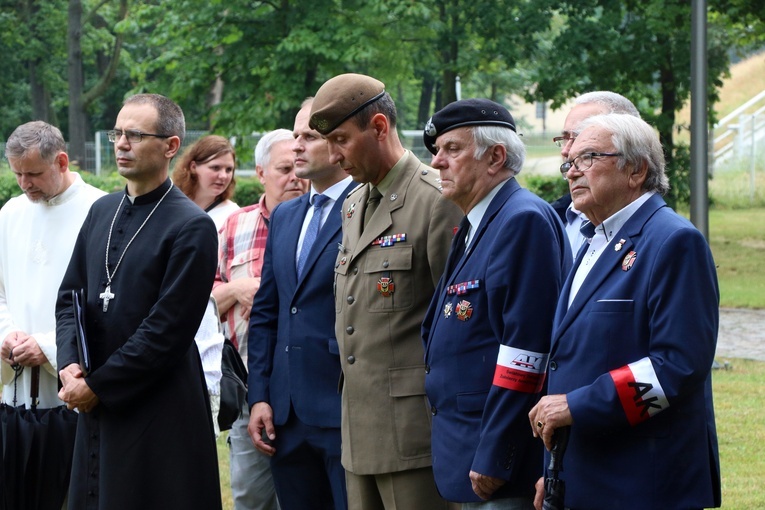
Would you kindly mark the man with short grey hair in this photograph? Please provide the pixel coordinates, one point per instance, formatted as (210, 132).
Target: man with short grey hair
(487, 330)
(38, 230)
(588, 104)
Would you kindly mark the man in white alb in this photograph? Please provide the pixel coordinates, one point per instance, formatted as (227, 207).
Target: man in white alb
(37, 233)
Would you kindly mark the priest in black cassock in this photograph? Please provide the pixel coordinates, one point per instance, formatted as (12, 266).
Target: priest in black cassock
(146, 258)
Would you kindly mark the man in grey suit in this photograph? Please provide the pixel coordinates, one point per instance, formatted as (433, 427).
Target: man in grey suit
(397, 229)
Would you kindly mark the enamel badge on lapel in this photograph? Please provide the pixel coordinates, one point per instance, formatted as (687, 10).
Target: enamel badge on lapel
(464, 310)
(351, 210)
(619, 245)
(628, 261)
(448, 310)
(385, 286)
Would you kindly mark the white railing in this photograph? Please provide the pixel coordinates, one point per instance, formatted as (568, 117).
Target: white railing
(738, 132)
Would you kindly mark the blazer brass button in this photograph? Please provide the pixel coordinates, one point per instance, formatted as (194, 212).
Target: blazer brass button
(350, 300)
(553, 365)
(293, 310)
(349, 330)
(351, 360)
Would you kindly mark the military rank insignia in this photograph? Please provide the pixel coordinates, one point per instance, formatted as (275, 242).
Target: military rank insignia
(351, 210)
(628, 261)
(448, 307)
(385, 286)
(463, 310)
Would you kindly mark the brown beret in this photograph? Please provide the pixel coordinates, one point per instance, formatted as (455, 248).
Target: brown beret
(340, 98)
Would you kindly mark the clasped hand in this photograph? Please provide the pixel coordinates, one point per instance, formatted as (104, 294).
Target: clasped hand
(75, 392)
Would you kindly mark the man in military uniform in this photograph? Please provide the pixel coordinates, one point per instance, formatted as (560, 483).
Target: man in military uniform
(397, 229)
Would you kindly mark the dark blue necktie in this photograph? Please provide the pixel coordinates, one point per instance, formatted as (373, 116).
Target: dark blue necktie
(458, 246)
(312, 232)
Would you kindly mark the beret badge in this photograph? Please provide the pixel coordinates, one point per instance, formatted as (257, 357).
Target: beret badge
(321, 124)
(430, 128)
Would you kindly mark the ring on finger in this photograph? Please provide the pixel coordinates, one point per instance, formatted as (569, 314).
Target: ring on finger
(540, 424)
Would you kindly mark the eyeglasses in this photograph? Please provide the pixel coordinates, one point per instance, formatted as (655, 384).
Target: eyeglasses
(131, 135)
(561, 141)
(585, 161)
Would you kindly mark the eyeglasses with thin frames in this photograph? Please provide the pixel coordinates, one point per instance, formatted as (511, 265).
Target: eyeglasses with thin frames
(132, 136)
(585, 161)
(561, 141)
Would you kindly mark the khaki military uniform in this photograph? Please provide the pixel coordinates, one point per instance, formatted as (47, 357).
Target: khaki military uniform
(385, 277)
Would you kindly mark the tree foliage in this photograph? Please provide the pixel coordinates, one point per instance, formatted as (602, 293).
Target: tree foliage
(239, 66)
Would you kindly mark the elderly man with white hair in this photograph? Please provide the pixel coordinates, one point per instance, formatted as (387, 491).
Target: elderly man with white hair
(487, 330)
(634, 335)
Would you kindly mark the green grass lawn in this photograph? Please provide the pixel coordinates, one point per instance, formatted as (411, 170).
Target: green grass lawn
(737, 239)
(225, 476)
(739, 396)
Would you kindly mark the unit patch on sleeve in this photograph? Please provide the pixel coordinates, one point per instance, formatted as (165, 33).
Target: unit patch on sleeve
(639, 390)
(520, 370)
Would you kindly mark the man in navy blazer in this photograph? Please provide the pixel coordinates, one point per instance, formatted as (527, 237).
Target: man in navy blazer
(593, 103)
(634, 336)
(487, 330)
(294, 365)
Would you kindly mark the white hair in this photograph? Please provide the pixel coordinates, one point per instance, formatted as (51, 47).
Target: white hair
(266, 143)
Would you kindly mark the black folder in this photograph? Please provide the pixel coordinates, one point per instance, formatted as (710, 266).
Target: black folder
(78, 306)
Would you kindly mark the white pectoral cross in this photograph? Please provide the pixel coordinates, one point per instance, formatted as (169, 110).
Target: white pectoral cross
(107, 296)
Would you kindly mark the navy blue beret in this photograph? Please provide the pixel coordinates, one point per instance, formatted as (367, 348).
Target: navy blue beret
(466, 112)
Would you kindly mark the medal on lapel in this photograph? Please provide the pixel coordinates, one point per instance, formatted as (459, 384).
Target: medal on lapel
(463, 310)
(619, 245)
(351, 210)
(448, 310)
(628, 261)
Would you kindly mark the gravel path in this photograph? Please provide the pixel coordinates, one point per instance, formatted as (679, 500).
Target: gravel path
(741, 335)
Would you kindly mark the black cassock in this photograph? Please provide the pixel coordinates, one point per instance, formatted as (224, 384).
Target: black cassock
(149, 444)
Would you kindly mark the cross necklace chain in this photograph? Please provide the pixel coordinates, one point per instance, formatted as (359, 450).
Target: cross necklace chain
(107, 294)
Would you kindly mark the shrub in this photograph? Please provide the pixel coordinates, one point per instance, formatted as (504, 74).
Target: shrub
(248, 191)
(549, 188)
(9, 188)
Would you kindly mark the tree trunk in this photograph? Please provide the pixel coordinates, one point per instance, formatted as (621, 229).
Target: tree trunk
(39, 95)
(426, 97)
(77, 117)
(450, 52)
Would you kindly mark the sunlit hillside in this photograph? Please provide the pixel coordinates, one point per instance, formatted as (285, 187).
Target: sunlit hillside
(747, 79)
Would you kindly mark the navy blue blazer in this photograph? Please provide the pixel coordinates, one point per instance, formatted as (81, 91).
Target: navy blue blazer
(487, 335)
(633, 354)
(293, 356)
(561, 205)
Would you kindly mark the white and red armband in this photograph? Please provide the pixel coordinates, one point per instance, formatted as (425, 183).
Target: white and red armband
(520, 370)
(639, 390)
